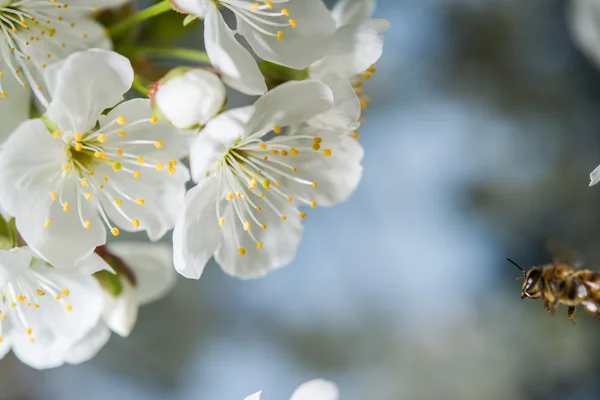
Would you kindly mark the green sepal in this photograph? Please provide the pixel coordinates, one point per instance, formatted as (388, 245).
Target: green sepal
(51, 126)
(8, 233)
(276, 74)
(109, 282)
(189, 19)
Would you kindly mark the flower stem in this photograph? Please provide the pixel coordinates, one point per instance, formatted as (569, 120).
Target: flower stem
(179, 53)
(140, 86)
(147, 13)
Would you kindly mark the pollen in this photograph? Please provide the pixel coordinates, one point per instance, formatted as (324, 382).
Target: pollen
(284, 11)
(120, 152)
(78, 137)
(136, 223)
(57, 297)
(279, 35)
(314, 184)
(101, 138)
(153, 120)
(121, 120)
(316, 146)
(140, 160)
(255, 7)
(140, 201)
(229, 196)
(78, 147)
(68, 307)
(269, 3)
(273, 151)
(294, 169)
(327, 152)
(66, 292)
(29, 331)
(289, 199)
(53, 195)
(313, 204)
(115, 231)
(242, 251)
(284, 153)
(66, 206)
(283, 217)
(302, 215)
(363, 104)
(247, 225)
(263, 146)
(158, 145)
(88, 195)
(259, 245)
(86, 224)
(222, 222)
(159, 166)
(294, 151)
(118, 202)
(277, 128)
(121, 133)
(263, 227)
(317, 140)
(137, 174)
(293, 23)
(40, 292)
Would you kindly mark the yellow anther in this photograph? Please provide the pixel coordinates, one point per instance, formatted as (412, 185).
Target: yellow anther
(153, 120)
(247, 225)
(117, 166)
(97, 154)
(266, 184)
(269, 3)
(137, 174)
(367, 74)
(273, 151)
(53, 195)
(118, 202)
(358, 91)
(101, 138)
(136, 223)
(3, 94)
(171, 170)
(172, 163)
(302, 214)
(289, 199)
(252, 184)
(159, 166)
(66, 167)
(317, 140)
(140, 201)
(88, 195)
(1, 339)
(229, 196)
(242, 251)
(314, 184)
(316, 146)
(36, 305)
(105, 179)
(283, 217)
(294, 169)
(363, 104)
(78, 137)
(294, 151)
(140, 160)
(66, 206)
(68, 307)
(262, 196)
(327, 152)
(66, 292)
(120, 152)
(259, 245)
(293, 23)
(95, 11)
(29, 331)
(263, 227)
(78, 147)
(57, 297)
(101, 186)
(277, 128)
(121, 133)
(265, 158)
(355, 135)
(47, 223)
(158, 145)
(279, 35)
(31, 340)
(255, 7)
(258, 208)
(121, 120)
(40, 292)
(115, 231)
(238, 194)
(285, 12)
(263, 146)
(313, 204)
(86, 224)
(284, 153)
(222, 222)
(372, 69)
(277, 183)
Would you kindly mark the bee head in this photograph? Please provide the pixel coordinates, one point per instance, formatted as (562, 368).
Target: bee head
(531, 287)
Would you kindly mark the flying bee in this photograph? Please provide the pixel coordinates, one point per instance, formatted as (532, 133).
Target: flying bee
(560, 282)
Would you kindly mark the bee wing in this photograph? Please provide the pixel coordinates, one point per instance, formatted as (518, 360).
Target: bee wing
(562, 253)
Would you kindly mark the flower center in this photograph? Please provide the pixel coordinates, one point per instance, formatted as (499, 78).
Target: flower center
(261, 16)
(34, 33)
(91, 157)
(29, 290)
(254, 174)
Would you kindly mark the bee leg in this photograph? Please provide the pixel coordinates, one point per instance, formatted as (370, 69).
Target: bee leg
(570, 313)
(551, 305)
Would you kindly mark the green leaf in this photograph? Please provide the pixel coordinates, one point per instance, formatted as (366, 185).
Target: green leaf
(109, 282)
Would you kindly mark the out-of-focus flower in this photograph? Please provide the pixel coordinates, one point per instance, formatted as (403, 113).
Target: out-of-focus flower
(151, 275)
(64, 187)
(244, 209)
(50, 316)
(585, 27)
(188, 97)
(317, 389)
(33, 35)
(294, 33)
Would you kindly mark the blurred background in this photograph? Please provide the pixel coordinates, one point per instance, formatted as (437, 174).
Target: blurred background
(479, 139)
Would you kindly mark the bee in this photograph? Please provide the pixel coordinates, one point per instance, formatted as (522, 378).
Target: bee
(560, 282)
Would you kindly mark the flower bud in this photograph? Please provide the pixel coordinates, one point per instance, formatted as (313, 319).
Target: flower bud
(120, 313)
(188, 97)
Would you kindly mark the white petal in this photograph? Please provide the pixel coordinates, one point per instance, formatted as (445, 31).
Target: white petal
(255, 396)
(13, 263)
(583, 22)
(348, 11)
(235, 63)
(345, 113)
(595, 176)
(317, 389)
(14, 109)
(213, 141)
(288, 104)
(190, 99)
(279, 242)
(120, 313)
(152, 266)
(100, 4)
(196, 7)
(353, 49)
(87, 348)
(84, 84)
(197, 232)
(299, 47)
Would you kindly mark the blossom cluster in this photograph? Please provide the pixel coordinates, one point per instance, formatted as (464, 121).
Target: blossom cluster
(82, 159)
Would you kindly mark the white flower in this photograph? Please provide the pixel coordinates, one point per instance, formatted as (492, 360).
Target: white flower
(189, 97)
(356, 45)
(36, 33)
(294, 33)
(47, 314)
(150, 276)
(64, 188)
(244, 209)
(585, 27)
(317, 389)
